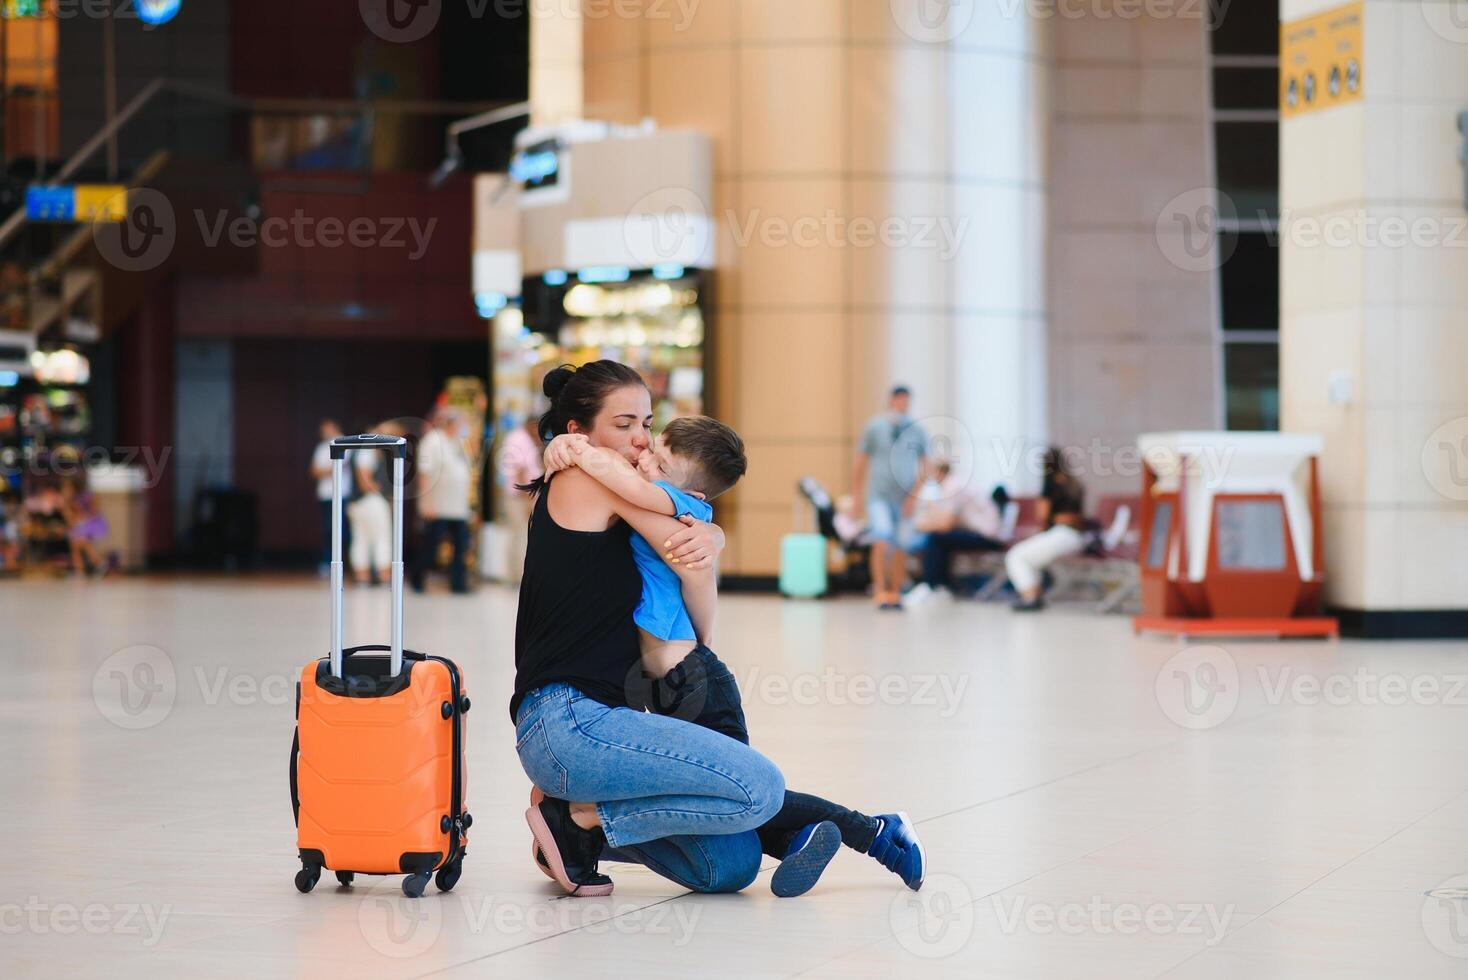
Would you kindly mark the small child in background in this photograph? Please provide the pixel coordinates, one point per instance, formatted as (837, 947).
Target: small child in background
(86, 526)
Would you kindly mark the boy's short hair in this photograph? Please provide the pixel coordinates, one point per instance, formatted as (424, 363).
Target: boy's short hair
(716, 451)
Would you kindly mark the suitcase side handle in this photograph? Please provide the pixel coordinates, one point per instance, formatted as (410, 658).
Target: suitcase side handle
(397, 447)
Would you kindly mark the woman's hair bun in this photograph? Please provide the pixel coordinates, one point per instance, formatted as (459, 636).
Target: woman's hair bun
(556, 379)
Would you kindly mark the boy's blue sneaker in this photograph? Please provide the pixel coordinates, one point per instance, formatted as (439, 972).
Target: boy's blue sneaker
(810, 852)
(898, 849)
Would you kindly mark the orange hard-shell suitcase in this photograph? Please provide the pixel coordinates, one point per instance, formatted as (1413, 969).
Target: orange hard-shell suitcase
(377, 768)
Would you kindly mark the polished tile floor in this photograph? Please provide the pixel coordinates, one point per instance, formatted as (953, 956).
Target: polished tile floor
(1093, 804)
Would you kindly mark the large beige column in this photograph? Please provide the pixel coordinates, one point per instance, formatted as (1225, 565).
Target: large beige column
(880, 188)
(556, 83)
(1374, 318)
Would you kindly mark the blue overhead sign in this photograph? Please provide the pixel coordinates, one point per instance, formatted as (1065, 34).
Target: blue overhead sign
(50, 203)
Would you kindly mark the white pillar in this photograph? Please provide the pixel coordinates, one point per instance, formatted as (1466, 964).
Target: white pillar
(999, 118)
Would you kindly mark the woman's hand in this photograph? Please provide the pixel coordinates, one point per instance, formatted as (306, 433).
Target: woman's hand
(562, 451)
(696, 546)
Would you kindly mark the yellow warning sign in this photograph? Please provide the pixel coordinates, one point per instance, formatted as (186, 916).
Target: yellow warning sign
(1320, 60)
(101, 202)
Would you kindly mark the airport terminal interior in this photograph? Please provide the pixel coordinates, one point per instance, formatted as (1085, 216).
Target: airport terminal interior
(734, 488)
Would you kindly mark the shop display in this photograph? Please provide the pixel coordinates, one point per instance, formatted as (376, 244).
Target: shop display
(655, 322)
(655, 325)
(45, 428)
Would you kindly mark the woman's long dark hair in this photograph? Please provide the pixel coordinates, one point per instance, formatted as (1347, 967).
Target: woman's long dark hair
(577, 395)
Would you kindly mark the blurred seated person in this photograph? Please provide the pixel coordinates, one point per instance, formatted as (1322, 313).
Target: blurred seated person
(957, 519)
(850, 526)
(46, 521)
(1060, 511)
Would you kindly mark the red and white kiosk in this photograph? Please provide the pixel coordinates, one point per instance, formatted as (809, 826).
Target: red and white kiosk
(1231, 535)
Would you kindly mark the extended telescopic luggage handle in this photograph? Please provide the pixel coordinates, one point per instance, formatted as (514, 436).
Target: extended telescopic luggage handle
(397, 447)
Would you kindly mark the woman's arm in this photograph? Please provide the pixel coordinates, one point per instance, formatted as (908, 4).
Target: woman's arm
(611, 470)
(699, 580)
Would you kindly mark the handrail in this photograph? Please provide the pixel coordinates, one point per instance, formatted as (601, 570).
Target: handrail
(135, 104)
(145, 95)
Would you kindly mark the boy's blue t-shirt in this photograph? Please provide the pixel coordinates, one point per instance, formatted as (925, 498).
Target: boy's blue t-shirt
(661, 611)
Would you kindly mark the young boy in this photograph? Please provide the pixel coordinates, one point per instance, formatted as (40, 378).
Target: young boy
(694, 460)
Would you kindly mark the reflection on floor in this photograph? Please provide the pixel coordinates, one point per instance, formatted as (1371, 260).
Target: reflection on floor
(1092, 803)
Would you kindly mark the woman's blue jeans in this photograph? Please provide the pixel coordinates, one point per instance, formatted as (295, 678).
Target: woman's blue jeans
(679, 799)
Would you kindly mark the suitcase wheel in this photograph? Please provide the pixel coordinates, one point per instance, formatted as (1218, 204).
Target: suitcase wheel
(448, 876)
(345, 878)
(415, 885)
(306, 879)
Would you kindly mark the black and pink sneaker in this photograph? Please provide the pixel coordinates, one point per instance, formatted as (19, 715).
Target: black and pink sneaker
(563, 851)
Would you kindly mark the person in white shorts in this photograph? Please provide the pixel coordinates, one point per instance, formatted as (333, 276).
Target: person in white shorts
(1061, 511)
(371, 518)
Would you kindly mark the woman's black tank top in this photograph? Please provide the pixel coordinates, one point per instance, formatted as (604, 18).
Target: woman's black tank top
(577, 597)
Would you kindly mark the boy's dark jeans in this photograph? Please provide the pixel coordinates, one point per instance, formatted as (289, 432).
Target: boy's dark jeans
(702, 690)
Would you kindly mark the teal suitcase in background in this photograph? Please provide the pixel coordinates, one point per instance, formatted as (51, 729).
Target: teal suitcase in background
(803, 565)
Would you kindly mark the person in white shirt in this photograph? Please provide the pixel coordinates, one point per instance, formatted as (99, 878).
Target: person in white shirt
(960, 518)
(371, 515)
(321, 473)
(520, 462)
(443, 505)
